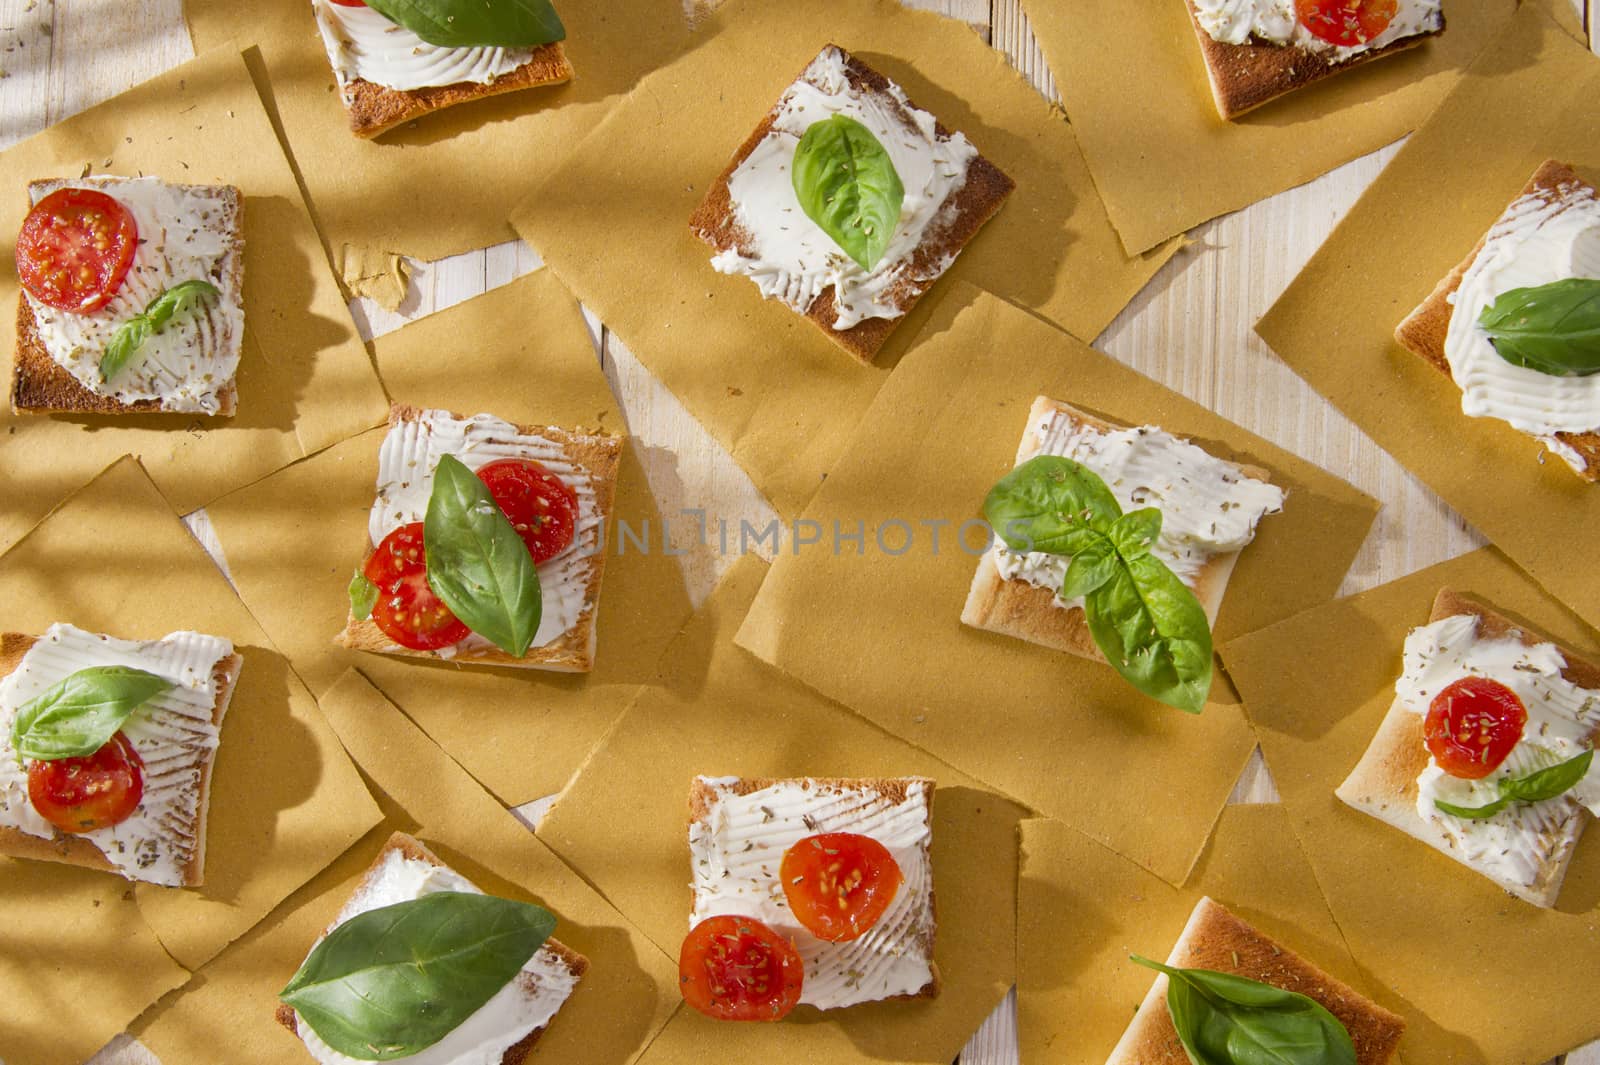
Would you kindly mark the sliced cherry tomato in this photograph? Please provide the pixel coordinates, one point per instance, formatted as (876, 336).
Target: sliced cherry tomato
(540, 506)
(839, 884)
(407, 610)
(96, 791)
(75, 249)
(1346, 23)
(349, 3)
(738, 969)
(1472, 725)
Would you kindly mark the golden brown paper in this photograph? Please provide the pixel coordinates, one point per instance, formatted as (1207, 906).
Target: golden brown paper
(1530, 98)
(285, 801)
(881, 633)
(445, 183)
(762, 379)
(292, 541)
(623, 824)
(304, 377)
(378, 276)
(1165, 161)
(1082, 909)
(628, 993)
(1481, 977)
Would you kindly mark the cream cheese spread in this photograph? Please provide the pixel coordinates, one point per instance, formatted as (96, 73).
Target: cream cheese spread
(363, 44)
(184, 235)
(173, 734)
(787, 255)
(737, 851)
(1276, 22)
(1538, 240)
(1208, 506)
(1517, 843)
(411, 452)
(524, 1005)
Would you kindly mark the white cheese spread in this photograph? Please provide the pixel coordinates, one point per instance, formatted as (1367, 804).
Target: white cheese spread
(411, 452)
(184, 235)
(787, 255)
(172, 733)
(1208, 506)
(737, 851)
(363, 44)
(1518, 842)
(523, 1006)
(1276, 22)
(1538, 240)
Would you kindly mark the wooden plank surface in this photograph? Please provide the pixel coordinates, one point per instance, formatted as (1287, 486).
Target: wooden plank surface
(1190, 328)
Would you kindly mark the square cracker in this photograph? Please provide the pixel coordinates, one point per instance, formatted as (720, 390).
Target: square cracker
(979, 197)
(574, 650)
(1245, 76)
(1028, 612)
(1423, 331)
(1384, 782)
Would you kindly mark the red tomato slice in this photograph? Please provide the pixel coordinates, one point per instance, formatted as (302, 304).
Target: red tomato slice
(738, 969)
(1472, 725)
(1346, 23)
(407, 610)
(349, 3)
(540, 506)
(96, 791)
(839, 884)
(75, 249)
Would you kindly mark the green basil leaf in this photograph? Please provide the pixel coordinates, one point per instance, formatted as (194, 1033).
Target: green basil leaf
(477, 563)
(1153, 631)
(363, 596)
(1223, 1019)
(393, 981)
(79, 715)
(846, 183)
(1548, 783)
(1091, 567)
(1047, 504)
(1134, 532)
(129, 338)
(476, 23)
(182, 298)
(1471, 813)
(1554, 329)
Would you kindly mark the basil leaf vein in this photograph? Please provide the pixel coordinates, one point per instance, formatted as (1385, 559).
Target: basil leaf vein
(1554, 328)
(393, 981)
(1223, 1019)
(185, 297)
(846, 183)
(1548, 783)
(476, 23)
(363, 596)
(477, 564)
(81, 713)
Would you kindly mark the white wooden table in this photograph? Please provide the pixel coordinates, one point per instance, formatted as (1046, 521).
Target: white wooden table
(1190, 328)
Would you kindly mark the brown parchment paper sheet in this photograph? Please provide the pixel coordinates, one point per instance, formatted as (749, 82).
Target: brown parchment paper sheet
(305, 380)
(285, 801)
(623, 824)
(445, 183)
(292, 541)
(1480, 976)
(881, 632)
(1082, 909)
(1530, 98)
(620, 1004)
(1165, 161)
(763, 380)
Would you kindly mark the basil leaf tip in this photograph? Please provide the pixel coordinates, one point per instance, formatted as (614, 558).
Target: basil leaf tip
(476, 23)
(1548, 783)
(363, 596)
(185, 298)
(1553, 329)
(393, 981)
(477, 563)
(80, 714)
(846, 183)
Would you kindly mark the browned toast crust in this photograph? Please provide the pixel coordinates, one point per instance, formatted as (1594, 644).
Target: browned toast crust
(375, 109)
(983, 193)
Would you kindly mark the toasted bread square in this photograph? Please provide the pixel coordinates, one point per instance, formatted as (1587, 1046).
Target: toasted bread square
(554, 951)
(374, 108)
(179, 772)
(41, 385)
(958, 219)
(1423, 331)
(573, 650)
(817, 805)
(1014, 607)
(1245, 76)
(1215, 939)
(1384, 783)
